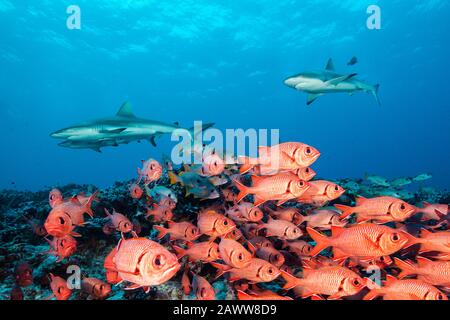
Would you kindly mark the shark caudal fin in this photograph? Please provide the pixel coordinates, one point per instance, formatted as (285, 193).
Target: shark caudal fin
(194, 131)
(375, 93)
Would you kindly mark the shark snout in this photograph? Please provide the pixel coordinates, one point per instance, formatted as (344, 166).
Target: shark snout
(289, 82)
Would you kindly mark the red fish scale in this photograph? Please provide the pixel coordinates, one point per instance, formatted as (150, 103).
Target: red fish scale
(274, 185)
(130, 251)
(439, 241)
(435, 273)
(326, 280)
(354, 241)
(408, 289)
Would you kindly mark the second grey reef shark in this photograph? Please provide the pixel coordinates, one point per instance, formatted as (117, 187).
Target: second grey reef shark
(316, 84)
(123, 128)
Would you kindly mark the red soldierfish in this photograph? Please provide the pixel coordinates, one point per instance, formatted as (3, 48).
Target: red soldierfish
(363, 240)
(380, 209)
(282, 187)
(179, 231)
(151, 171)
(119, 221)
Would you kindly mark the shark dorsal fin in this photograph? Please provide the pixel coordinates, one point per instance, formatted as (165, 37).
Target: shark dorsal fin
(330, 65)
(125, 111)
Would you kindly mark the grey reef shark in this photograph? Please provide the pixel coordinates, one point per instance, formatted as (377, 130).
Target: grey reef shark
(316, 84)
(122, 128)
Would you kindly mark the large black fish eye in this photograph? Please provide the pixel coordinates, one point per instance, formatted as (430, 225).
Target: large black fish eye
(336, 188)
(440, 296)
(308, 150)
(270, 270)
(356, 282)
(241, 256)
(395, 237)
(61, 220)
(59, 290)
(225, 222)
(158, 260)
(402, 207)
(307, 170)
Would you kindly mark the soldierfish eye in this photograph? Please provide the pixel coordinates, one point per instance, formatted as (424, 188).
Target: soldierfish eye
(402, 207)
(308, 150)
(395, 237)
(356, 282)
(61, 220)
(159, 260)
(307, 170)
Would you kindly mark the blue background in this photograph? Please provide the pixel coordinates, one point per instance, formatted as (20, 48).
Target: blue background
(225, 63)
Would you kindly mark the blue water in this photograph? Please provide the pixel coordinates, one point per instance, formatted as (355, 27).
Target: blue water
(225, 63)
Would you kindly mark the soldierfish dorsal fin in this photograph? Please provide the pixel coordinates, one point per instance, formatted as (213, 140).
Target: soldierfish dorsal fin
(330, 65)
(422, 261)
(360, 200)
(336, 231)
(126, 111)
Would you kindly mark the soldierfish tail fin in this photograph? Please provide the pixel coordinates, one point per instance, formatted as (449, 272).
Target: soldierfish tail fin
(221, 268)
(173, 178)
(180, 252)
(88, 204)
(322, 242)
(405, 267)
(243, 190)
(243, 296)
(346, 210)
(161, 232)
(375, 93)
(291, 281)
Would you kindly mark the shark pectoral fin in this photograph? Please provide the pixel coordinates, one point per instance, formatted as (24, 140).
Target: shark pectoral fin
(330, 65)
(312, 97)
(338, 80)
(119, 130)
(153, 141)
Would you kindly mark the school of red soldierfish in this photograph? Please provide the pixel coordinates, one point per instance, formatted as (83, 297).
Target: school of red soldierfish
(269, 239)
